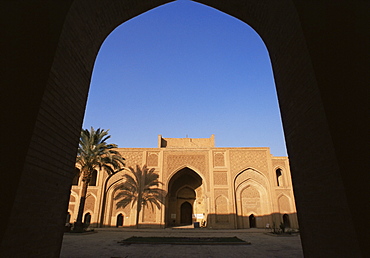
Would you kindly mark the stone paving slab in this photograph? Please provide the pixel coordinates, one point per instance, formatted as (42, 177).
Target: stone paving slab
(104, 243)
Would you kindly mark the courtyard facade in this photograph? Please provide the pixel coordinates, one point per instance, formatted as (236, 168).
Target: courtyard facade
(214, 187)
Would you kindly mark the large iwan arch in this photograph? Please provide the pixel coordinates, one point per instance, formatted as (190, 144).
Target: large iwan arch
(318, 53)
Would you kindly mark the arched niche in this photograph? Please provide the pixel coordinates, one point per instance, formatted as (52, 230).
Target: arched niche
(251, 197)
(185, 186)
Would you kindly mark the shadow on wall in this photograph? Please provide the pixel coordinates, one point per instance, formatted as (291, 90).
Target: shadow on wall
(274, 220)
(277, 221)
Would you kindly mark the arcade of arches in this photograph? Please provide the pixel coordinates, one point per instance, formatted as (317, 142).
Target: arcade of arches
(216, 187)
(321, 70)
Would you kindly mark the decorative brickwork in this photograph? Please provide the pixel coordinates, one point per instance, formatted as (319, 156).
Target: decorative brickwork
(133, 158)
(185, 174)
(284, 206)
(251, 202)
(152, 160)
(222, 209)
(219, 159)
(149, 214)
(251, 174)
(241, 159)
(279, 163)
(224, 192)
(220, 178)
(198, 162)
(90, 203)
(250, 193)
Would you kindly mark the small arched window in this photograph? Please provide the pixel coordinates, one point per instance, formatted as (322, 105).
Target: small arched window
(279, 177)
(93, 179)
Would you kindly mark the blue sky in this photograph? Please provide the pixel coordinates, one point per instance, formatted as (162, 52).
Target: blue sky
(185, 69)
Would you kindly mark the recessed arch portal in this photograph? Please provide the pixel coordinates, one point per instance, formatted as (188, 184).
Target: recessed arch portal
(251, 197)
(185, 193)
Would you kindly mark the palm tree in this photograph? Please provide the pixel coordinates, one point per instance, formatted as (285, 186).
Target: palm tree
(94, 153)
(140, 187)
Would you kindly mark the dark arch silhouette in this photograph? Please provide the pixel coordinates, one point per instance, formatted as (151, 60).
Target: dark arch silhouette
(181, 190)
(87, 219)
(47, 64)
(119, 222)
(252, 221)
(278, 177)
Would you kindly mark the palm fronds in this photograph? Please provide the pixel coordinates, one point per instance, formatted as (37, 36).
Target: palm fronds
(94, 153)
(140, 186)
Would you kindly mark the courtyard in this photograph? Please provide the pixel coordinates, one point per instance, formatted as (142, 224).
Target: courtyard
(104, 243)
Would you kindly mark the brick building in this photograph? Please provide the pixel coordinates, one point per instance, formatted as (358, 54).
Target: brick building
(217, 187)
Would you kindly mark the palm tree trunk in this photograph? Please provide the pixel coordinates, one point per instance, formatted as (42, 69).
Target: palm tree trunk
(78, 227)
(137, 214)
(141, 182)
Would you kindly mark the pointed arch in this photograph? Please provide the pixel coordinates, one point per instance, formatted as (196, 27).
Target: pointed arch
(87, 218)
(120, 220)
(222, 209)
(249, 173)
(251, 197)
(279, 177)
(284, 203)
(90, 202)
(174, 172)
(186, 192)
(185, 185)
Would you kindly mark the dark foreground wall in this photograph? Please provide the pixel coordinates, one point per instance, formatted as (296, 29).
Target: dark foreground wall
(320, 60)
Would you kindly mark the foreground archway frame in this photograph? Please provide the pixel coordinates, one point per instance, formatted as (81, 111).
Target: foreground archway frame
(320, 67)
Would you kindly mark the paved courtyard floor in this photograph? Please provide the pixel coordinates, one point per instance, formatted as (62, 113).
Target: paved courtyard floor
(104, 244)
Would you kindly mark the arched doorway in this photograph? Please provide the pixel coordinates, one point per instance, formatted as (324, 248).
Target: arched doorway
(252, 221)
(252, 196)
(119, 222)
(87, 219)
(186, 212)
(182, 198)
